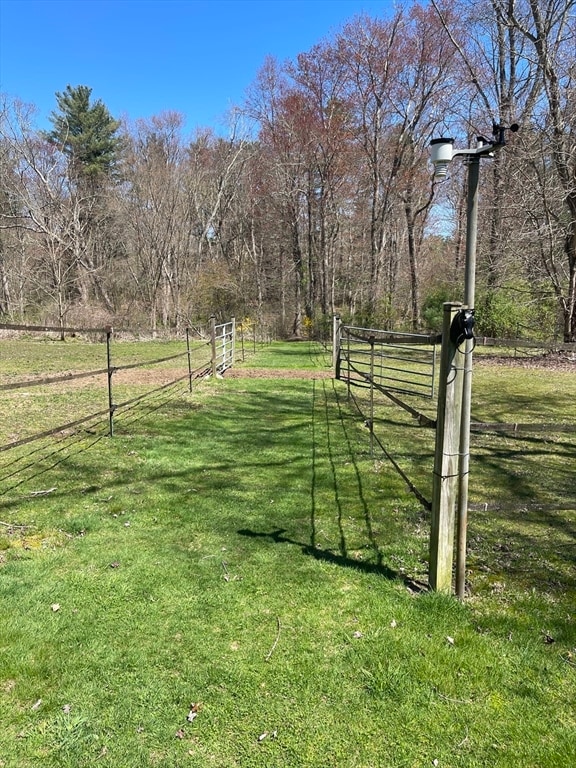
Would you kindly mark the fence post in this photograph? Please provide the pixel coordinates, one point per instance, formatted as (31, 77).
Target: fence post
(108, 330)
(242, 340)
(213, 344)
(446, 459)
(233, 356)
(371, 425)
(336, 341)
(348, 366)
(189, 358)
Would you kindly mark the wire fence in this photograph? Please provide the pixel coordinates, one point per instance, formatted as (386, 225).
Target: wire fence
(380, 366)
(391, 362)
(43, 399)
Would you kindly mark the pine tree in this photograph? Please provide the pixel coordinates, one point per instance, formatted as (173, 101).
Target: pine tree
(85, 132)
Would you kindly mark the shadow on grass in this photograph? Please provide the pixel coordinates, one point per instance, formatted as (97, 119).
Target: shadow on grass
(335, 429)
(253, 442)
(526, 533)
(328, 556)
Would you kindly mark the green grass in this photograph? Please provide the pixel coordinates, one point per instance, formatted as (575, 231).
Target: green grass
(23, 357)
(297, 355)
(241, 549)
(32, 409)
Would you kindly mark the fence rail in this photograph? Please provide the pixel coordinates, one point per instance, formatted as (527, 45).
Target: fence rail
(392, 362)
(548, 346)
(204, 356)
(380, 363)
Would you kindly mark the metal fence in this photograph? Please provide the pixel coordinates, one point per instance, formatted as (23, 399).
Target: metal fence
(212, 353)
(393, 362)
(223, 345)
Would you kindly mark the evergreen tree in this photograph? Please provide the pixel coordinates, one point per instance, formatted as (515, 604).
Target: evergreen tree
(85, 132)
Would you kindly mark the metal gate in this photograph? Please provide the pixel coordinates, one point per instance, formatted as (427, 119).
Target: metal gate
(223, 345)
(390, 361)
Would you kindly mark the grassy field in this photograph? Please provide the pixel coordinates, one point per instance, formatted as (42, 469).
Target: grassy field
(235, 580)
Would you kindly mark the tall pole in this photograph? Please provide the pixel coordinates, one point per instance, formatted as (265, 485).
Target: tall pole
(442, 153)
(464, 449)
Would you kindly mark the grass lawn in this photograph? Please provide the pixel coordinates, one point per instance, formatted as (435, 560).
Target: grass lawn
(234, 580)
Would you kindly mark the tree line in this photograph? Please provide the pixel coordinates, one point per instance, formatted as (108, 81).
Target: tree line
(320, 199)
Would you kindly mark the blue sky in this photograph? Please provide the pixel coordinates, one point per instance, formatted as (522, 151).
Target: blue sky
(143, 57)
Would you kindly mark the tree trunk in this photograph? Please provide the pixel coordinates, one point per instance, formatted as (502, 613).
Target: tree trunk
(413, 262)
(298, 279)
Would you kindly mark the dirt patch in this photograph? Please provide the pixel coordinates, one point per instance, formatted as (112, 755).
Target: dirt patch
(556, 361)
(149, 376)
(161, 376)
(552, 361)
(275, 373)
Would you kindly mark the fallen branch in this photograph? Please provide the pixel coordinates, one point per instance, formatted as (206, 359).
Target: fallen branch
(42, 493)
(454, 701)
(13, 525)
(275, 643)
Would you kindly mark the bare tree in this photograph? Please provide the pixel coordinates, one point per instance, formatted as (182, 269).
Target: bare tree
(158, 233)
(550, 28)
(42, 206)
(368, 47)
(518, 58)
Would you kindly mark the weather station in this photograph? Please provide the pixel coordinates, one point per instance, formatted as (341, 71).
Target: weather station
(442, 152)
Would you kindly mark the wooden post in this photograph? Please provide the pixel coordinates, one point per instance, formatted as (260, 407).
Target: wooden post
(213, 344)
(446, 458)
(189, 358)
(110, 372)
(336, 341)
(371, 425)
(348, 366)
(242, 340)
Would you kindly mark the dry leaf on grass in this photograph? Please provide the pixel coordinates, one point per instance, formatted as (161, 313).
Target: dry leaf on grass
(193, 714)
(267, 735)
